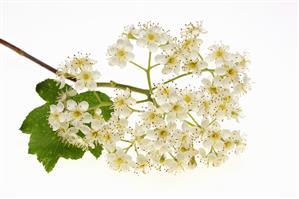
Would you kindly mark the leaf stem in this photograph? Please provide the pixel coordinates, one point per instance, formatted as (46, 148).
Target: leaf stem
(139, 66)
(148, 73)
(185, 74)
(136, 110)
(155, 65)
(194, 120)
(128, 148)
(177, 77)
(142, 101)
(113, 84)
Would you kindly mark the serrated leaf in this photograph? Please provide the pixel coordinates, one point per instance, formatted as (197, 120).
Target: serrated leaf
(44, 142)
(49, 90)
(97, 151)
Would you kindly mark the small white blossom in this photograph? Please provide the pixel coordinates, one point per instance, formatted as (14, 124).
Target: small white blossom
(171, 62)
(175, 110)
(87, 79)
(120, 53)
(123, 102)
(164, 93)
(57, 116)
(218, 53)
(151, 36)
(193, 30)
(78, 112)
(120, 161)
(194, 64)
(152, 116)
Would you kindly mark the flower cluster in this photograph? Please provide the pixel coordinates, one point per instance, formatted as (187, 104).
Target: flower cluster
(176, 127)
(79, 67)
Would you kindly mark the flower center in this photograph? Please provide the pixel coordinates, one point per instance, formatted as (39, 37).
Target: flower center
(120, 102)
(152, 115)
(176, 107)
(119, 161)
(86, 76)
(231, 72)
(213, 90)
(165, 91)
(171, 60)
(192, 65)
(219, 53)
(77, 114)
(151, 37)
(106, 137)
(215, 136)
(228, 144)
(163, 134)
(81, 62)
(95, 134)
(187, 98)
(120, 53)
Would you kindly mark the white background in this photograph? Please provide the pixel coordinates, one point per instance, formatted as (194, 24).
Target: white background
(52, 31)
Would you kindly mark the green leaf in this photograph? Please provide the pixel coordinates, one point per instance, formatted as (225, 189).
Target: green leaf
(96, 99)
(44, 142)
(49, 90)
(97, 151)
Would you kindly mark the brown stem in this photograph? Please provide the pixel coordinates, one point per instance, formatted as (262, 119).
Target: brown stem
(111, 84)
(28, 56)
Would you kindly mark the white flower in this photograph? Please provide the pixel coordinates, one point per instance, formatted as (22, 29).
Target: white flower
(229, 73)
(205, 105)
(243, 86)
(131, 32)
(79, 67)
(122, 103)
(139, 134)
(218, 53)
(143, 163)
(184, 138)
(214, 139)
(163, 135)
(151, 36)
(79, 62)
(70, 136)
(120, 53)
(194, 64)
(175, 110)
(210, 87)
(57, 116)
(78, 114)
(193, 30)
(108, 138)
(94, 132)
(152, 116)
(87, 79)
(66, 94)
(212, 158)
(120, 161)
(190, 45)
(239, 141)
(171, 62)
(189, 98)
(164, 93)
